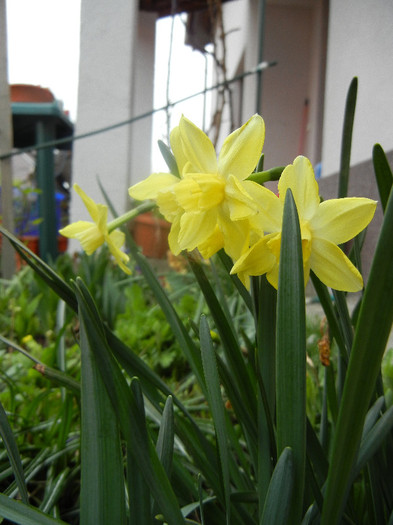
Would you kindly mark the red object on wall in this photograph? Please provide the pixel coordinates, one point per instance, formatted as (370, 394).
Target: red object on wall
(151, 234)
(30, 93)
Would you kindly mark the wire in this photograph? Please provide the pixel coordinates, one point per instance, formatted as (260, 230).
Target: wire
(53, 143)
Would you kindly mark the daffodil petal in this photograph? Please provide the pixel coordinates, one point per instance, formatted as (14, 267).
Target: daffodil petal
(333, 267)
(152, 186)
(242, 149)
(196, 227)
(197, 147)
(270, 207)
(75, 228)
(212, 245)
(240, 203)
(256, 261)
(177, 149)
(236, 237)
(300, 178)
(173, 237)
(272, 276)
(91, 206)
(115, 240)
(339, 220)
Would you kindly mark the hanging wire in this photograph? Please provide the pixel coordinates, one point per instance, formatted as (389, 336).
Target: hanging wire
(66, 140)
(168, 80)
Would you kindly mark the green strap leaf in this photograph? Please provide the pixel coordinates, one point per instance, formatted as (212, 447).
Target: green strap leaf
(279, 495)
(127, 410)
(166, 436)
(371, 335)
(291, 353)
(23, 514)
(102, 472)
(138, 491)
(13, 454)
(383, 174)
(346, 143)
(217, 407)
(169, 158)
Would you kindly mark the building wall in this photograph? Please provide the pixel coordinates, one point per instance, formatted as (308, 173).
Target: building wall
(115, 83)
(360, 43)
(294, 36)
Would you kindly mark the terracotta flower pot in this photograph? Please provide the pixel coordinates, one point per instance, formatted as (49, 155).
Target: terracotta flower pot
(151, 234)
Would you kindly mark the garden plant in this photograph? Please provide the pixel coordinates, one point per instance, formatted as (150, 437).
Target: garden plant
(249, 437)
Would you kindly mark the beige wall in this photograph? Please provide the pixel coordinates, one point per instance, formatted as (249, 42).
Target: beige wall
(294, 35)
(360, 43)
(115, 83)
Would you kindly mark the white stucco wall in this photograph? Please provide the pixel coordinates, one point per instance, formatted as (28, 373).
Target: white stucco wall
(115, 83)
(294, 36)
(360, 43)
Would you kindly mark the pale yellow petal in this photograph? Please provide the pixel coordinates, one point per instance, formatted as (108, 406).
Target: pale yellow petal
(173, 237)
(152, 186)
(75, 228)
(299, 177)
(212, 245)
(168, 206)
(240, 203)
(177, 149)
(236, 236)
(91, 239)
(91, 206)
(115, 240)
(196, 227)
(339, 220)
(270, 207)
(333, 267)
(256, 261)
(242, 149)
(197, 147)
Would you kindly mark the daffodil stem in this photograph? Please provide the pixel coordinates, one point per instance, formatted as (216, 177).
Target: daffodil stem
(129, 215)
(264, 176)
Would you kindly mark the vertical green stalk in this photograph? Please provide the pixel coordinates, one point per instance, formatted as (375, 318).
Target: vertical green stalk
(291, 353)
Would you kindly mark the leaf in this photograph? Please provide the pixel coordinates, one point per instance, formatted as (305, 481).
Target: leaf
(127, 410)
(169, 158)
(291, 353)
(102, 472)
(13, 454)
(58, 285)
(279, 495)
(373, 440)
(347, 138)
(217, 407)
(23, 514)
(166, 436)
(371, 335)
(383, 174)
(138, 490)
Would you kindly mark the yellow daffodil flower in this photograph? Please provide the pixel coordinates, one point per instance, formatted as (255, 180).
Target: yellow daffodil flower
(92, 235)
(210, 206)
(324, 225)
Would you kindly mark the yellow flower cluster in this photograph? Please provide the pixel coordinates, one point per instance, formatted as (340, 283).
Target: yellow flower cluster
(212, 206)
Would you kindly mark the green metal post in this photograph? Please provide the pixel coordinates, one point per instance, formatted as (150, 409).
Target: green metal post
(45, 132)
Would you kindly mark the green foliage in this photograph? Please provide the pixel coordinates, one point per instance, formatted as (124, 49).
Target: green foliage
(199, 402)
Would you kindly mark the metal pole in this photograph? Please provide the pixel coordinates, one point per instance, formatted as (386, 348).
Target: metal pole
(46, 196)
(261, 35)
(6, 142)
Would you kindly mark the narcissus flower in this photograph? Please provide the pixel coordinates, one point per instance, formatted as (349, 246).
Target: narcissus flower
(324, 225)
(92, 235)
(211, 205)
